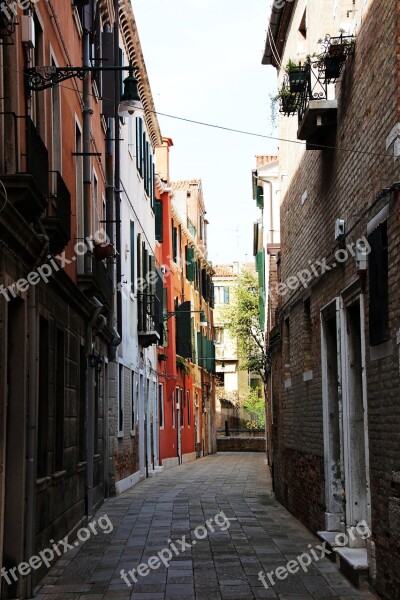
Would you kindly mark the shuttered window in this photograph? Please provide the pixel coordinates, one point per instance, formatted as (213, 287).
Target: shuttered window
(378, 286)
(132, 251)
(190, 263)
(183, 330)
(158, 218)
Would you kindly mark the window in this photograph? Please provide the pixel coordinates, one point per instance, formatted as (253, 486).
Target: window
(139, 149)
(95, 201)
(134, 386)
(96, 411)
(161, 405)
(131, 141)
(43, 408)
(120, 400)
(188, 407)
(307, 332)
(219, 335)
(82, 403)
(59, 402)
(173, 408)
(378, 286)
(221, 294)
(132, 251)
(158, 214)
(174, 242)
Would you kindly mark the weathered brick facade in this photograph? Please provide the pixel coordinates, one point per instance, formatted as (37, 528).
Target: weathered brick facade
(341, 181)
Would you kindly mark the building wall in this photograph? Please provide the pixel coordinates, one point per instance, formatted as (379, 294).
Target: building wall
(340, 183)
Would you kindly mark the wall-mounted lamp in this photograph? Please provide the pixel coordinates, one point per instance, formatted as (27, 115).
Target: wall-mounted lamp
(130, 99)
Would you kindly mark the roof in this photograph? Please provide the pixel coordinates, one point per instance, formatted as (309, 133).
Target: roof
(277, 27)
(233, 269)
(135, 54)
(185, 184)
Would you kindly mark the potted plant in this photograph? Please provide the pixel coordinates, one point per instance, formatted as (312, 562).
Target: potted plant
(103, 250)
(297, 75)
(336, 51)
(182, 364)
(289, 102)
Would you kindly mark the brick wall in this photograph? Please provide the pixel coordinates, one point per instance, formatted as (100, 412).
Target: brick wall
(340, 183)
(241, 444)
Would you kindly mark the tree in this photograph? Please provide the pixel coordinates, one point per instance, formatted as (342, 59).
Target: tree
(255, 406)
(243, 321)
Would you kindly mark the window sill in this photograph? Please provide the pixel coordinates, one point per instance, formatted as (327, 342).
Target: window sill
(120, 435)
(132, 433)
(43, 483)
(383, 350)
(59, 476)
(81, 467)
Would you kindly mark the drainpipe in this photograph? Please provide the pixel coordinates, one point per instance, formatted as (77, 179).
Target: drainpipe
(32, 435)
(90, 409)
(117, 174)
(87, 114)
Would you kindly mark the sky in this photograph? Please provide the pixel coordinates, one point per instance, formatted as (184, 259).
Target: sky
(203, 59)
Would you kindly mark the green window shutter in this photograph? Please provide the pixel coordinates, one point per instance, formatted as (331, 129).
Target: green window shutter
(184, 330)
(158, 217)
(199, 350)
(260, 197)
(151, 288)
(190, 263)
(139, 255)
(160, 302)
(226, 294)
(132, 231)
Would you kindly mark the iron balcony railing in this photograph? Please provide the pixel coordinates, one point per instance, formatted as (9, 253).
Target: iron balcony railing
(37, 157)
(148, 313)
(316, 88)
(60, 207)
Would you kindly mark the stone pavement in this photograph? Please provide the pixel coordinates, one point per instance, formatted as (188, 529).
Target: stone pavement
(147, 519)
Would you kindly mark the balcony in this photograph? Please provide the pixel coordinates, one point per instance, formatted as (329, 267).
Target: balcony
(57, 221)
(27, 190)
(149, 319)
(317, 112)
(97, 282)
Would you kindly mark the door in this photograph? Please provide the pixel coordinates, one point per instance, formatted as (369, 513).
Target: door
(355, 413)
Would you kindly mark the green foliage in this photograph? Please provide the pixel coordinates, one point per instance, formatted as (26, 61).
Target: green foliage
(243, 321)
(255, 406)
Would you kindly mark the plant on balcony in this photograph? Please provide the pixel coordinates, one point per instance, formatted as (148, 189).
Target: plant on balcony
(297, 75)
(336, 50)
(289, 103)
(182, 364)
(103, 250)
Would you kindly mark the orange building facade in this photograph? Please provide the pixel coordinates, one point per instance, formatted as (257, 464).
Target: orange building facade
(186, 359)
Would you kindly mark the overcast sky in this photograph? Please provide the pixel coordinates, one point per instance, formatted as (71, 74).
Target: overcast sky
(203, 58)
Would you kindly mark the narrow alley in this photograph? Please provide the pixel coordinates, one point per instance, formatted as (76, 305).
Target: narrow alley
(216, 524)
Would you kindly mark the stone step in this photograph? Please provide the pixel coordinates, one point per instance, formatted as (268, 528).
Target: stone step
(354, 564)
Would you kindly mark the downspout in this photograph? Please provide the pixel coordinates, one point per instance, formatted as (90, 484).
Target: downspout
(32, 435)
(117, 173)
(90, 409)
(87, 113)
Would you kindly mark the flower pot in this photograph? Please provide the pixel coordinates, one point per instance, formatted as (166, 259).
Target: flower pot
(102, 251)
(333, 66)
(289, 104)
(297, 80)
(336, 49)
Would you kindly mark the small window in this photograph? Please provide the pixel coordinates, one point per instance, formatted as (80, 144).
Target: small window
(120, 400)
(161, 405)
(378, 286)
(219, 335)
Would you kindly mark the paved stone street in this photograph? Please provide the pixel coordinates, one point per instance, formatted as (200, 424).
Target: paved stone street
(262, 536)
